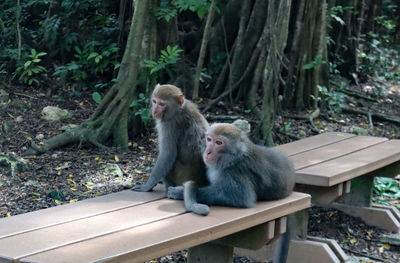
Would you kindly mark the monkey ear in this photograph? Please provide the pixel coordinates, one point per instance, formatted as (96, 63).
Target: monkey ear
(181, 99)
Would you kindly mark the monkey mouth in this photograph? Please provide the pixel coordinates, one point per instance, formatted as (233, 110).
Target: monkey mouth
(157, 115)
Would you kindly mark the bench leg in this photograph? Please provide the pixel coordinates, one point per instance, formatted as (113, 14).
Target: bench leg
(210, 252)
(358, 202)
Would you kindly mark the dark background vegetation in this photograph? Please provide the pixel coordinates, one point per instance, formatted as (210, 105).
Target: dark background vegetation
(292, 68)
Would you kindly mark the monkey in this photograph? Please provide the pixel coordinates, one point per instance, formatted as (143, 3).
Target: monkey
(240, 174)
(180, 129)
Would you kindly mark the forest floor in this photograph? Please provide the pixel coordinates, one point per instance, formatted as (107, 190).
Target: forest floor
(78, 172)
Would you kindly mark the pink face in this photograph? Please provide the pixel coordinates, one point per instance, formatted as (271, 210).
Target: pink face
(214, 145)
(159, 107)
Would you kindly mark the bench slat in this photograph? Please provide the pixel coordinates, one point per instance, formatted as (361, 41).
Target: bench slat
(334, 150)
(70, 212)
(352, 165)
(90, 227)
(172, 234)
(313, 142)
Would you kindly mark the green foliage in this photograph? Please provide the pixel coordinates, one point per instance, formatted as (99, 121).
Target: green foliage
(140, 108)
(91, 60)
(165, 11)
(379, 62)
(96, 97)
(169, 9)
(331, 99)
(81, 36)
(199, 6)
(386, 188)
(30, 72)
(313, 64)
(166, 62)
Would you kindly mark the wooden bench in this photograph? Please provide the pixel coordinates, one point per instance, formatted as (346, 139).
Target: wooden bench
(340, 167)
(131, 226)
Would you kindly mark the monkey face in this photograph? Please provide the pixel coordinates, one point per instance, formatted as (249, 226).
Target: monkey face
(214, 147)
(159, 107)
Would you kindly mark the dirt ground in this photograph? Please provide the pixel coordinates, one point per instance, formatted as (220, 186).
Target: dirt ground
(78, 172)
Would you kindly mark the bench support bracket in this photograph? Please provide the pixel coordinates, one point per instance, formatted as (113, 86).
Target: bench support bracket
(385, 217)
(322, 250)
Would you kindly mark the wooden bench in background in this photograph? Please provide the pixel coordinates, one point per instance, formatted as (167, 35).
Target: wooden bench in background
(132, 226)
(339, 167)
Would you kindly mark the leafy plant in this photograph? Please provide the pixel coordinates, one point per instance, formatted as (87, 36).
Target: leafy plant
(30, 71)
(199, 6)
(165, 11)
(386, 188)
(333, 100)
(89, 61)
(169, 9)
(313, 64)
(140, 107)
(96, 97)
(166, 62)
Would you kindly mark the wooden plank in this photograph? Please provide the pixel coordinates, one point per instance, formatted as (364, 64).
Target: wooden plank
(172, 234)
(312, 142)
(28, 243)
(334, 150)
(70, 212)
(352, 165)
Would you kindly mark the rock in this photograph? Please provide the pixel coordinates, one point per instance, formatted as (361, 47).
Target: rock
(19, 119)
(113, 169)
(359, 131)
(53, 114)
(39, 136)
(69, 127)
(11, 164)
(32, 183)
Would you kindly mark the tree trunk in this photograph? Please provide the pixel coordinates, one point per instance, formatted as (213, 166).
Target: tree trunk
(277, 26)
(203, 48)
(110, 117)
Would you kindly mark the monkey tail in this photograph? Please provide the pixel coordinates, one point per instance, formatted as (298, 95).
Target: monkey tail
(282, 249)
(189, 197)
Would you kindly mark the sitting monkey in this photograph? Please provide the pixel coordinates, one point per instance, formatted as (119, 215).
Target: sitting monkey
(240, 172)
(181, 129)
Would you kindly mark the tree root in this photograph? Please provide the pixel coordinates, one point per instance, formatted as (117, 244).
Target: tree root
(71, 136)
(310, 118)
(370, 116)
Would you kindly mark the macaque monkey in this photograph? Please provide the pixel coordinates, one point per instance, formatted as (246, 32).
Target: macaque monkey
(240, 173)
(181, 130)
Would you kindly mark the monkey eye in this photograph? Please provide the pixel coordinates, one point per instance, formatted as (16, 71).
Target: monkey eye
(162, 104)
(209, 139)
(154, 101)
(219, 142)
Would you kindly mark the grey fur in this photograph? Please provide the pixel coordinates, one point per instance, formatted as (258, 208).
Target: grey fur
(180, 145)
(244, 174)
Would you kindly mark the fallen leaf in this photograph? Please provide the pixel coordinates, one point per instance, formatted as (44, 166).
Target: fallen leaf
(116, 158)
(353, 240)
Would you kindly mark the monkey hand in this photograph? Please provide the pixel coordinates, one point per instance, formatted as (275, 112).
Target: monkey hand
(141, 188)
(175, 192)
